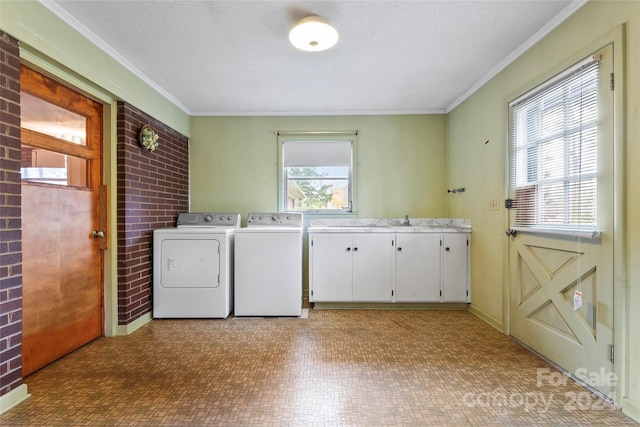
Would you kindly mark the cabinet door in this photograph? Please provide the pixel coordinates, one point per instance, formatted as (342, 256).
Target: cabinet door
(418, 267)
(372, 267)
(454, 268)
(331, 276)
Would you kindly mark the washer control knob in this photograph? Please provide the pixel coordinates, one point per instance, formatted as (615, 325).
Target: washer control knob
(288, 217)
(253, 217)
(261, 217)
(229, 218)
(207, 218)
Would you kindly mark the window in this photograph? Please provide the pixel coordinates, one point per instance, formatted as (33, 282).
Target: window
(317, 175)
(554, 153)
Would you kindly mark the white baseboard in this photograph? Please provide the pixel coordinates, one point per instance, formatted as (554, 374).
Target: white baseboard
(631, 409)
(13, 398)
(487, 318)
(133, 326)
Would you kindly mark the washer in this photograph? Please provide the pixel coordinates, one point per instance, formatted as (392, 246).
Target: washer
(268, 265)
(193, 266)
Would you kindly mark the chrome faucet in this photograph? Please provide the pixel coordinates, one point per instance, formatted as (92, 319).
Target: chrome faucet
(406, 220)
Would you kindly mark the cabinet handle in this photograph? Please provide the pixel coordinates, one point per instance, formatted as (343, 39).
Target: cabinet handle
(446, 249)
(348, 249)
(399, 249)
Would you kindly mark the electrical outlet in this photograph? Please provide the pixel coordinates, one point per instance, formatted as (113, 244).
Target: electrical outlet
(493, 205)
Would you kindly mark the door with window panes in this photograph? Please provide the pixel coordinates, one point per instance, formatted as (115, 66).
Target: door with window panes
(561, 220)
(63, 219)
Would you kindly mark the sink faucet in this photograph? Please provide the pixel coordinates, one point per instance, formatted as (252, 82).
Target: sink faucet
(406, 220)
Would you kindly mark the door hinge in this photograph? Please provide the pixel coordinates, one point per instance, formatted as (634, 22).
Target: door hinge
(467, 292)
(311, 292)
(612, 80)
(312, 243)
(392, 243)
(440, 292)
(509, 204)
(391, 292)
(611, 353)
(440, 242)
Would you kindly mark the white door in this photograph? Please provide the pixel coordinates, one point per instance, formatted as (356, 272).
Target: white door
(331, 270)
(546, 270)
(372, 267)
(418, 267)
(190, 263)
(454, 268)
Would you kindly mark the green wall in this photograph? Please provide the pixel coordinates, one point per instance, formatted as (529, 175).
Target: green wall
(482, 169)
(401, 162)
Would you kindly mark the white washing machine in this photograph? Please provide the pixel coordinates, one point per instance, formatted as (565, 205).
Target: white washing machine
(193, 266)
(268, 265)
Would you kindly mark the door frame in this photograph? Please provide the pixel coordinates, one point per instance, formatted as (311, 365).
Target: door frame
(616, 38)
(33, 59)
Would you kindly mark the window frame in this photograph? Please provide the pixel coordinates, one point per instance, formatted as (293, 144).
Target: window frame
(521, 220)
(317, 137)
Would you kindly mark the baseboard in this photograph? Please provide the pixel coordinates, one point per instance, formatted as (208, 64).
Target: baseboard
(487, 318)
(631, 409)
(388, 306)
(133, 326)
(13, 398)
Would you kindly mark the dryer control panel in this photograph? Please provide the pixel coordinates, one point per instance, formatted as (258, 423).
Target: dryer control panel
(208, 219)
(279, 219)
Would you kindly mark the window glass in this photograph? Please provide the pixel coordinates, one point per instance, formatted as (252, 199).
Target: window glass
(49, 167)
(317, 175)
(554, 160)
(43, 117)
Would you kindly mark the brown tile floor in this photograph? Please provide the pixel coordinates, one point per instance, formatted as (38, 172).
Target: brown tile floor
(349, 367)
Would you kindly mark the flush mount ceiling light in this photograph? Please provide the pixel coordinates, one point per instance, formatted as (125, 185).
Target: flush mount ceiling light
(312, 34)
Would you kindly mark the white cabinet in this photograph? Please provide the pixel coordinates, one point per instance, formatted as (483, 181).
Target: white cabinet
(351, 267)
(407, 267)
(372, 267)
(330, 267)
(417, 271)
(455, 268)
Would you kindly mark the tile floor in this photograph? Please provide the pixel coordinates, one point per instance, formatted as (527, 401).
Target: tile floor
(336, 367)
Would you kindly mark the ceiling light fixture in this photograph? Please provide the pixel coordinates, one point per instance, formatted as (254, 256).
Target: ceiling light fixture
(312, 34)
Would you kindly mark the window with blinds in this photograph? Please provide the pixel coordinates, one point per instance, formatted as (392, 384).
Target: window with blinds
(317, 175)
(554, 155)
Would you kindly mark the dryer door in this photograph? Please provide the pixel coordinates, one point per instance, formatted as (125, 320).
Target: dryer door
(190, 263)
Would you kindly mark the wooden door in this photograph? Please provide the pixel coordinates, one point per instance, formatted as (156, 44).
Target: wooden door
(546, 270)
(62, 225)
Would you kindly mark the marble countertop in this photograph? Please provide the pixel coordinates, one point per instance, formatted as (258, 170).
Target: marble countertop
(390, 225)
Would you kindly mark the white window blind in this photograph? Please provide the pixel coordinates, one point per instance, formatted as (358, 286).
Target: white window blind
(316, 153)
(553, 150)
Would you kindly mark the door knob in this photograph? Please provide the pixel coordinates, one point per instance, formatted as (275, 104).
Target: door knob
(97, 234)
(511, 233)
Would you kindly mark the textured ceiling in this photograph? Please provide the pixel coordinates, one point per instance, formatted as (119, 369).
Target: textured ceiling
(234, 58)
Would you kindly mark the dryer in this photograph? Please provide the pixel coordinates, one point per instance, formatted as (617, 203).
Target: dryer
(268, 265)
(193, 266)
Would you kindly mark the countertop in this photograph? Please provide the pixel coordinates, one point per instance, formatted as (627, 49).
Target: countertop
(390, 225)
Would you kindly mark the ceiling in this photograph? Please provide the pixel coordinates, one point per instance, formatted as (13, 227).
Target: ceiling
(225, 57)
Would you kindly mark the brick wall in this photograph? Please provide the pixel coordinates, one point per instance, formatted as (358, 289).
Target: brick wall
(10, 221)
(153, 187)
